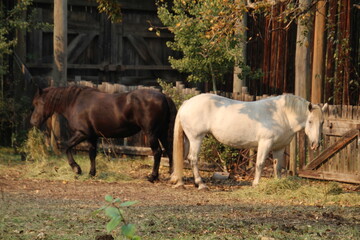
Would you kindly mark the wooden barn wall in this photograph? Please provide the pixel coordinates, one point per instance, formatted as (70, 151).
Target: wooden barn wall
(271, 48)
(98, 50)
(128, 53)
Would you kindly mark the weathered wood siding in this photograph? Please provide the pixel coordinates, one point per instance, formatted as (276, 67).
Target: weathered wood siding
(341, 134)
(271, 48)
(98, 50)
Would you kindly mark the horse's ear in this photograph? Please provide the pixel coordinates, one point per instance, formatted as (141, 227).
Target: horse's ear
(310, 107)
(325, 107)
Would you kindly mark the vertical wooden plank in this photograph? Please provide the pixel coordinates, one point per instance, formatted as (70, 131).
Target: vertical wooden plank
(302, 149)
(292, 157)
(330, 50)
(318, 52)
(36, 40)
(267, 54)
(346, 36)
(357, 161)
(273, 51)
(279, 64)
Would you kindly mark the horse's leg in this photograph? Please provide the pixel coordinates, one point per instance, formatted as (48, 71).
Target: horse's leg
(168, 148)
(157, 152)
(195, 144)
(92, 155)
(77, 138)
(263, 151)
(278, 157)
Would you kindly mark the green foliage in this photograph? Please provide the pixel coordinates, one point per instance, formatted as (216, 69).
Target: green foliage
(177, 96)
(216, 152)
(114, 210)
(14, 107)
(34, 147)
(12, 112)
(111, 8)
(198, 26)
(12, 20)
(248, 73)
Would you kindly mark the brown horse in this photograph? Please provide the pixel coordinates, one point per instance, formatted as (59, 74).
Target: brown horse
(92, 114)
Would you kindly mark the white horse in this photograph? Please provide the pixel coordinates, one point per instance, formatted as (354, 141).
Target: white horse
(268, 125)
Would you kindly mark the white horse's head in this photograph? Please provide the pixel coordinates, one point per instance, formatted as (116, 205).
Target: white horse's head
(314, 124)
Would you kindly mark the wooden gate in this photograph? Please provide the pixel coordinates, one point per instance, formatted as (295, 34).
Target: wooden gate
(339, 159)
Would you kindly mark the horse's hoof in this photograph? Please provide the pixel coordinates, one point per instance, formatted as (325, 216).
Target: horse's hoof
(173, 179)
(179, 186)
(203, 187)
(77, 170)
(152, 178)
(92, 173)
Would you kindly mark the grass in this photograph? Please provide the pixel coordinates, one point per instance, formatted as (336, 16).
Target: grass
(57, 167)
(295, 190)
(289, 208)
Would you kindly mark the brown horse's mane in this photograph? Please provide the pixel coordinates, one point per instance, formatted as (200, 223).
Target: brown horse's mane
(57, 99)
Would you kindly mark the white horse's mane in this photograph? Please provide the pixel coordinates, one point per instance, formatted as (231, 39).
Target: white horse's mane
(296, 104)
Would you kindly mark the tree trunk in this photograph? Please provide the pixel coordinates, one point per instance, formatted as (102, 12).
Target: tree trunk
(318, 57)
(60, 61)
(60, 43)
(241, 32)
(302, 77)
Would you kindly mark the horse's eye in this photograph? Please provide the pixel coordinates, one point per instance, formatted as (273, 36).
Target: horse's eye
(310, 122)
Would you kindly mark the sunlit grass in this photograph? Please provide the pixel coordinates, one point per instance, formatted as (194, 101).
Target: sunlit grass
(295, 190)
(57, 167)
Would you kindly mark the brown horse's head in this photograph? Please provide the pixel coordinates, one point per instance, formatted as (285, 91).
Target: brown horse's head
(38, 116)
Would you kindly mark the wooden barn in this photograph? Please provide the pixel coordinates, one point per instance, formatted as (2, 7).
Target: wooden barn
(127, 53)
(101, 51)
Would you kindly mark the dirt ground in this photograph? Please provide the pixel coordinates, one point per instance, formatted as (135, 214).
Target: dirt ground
(163, 212)
(160, 192)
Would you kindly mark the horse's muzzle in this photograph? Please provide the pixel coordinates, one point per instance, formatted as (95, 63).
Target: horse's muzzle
(314, 146)
(35, 123)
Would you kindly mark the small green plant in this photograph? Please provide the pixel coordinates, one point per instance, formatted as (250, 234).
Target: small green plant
(114, 210)
(214, 151)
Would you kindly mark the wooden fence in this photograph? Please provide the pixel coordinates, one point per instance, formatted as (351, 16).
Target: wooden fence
(338, 158)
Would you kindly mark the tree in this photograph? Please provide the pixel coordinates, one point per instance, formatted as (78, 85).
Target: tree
(112, 8)
(204, 32)
(14, 106)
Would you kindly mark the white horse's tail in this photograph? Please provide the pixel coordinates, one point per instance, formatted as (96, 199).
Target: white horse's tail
(178, 152)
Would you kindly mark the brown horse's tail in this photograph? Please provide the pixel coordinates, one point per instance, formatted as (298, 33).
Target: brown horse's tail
(178, 152)
(172, 116)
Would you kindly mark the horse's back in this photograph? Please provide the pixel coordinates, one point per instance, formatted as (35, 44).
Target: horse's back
(151, 110)
(148, 103)
(204, 113)
(121, 114)
(235, 123)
